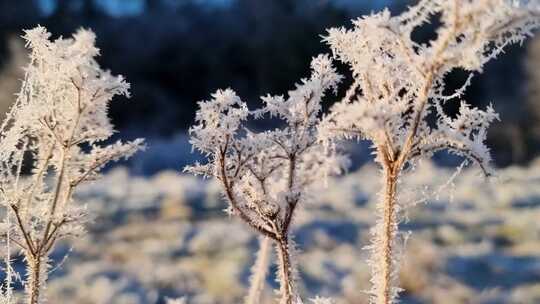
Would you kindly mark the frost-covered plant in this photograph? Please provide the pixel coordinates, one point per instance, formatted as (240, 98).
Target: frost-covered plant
(398, 97)
(266, 175)
(55, 126)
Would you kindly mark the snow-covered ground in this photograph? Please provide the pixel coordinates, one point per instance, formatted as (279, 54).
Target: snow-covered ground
(166, 236)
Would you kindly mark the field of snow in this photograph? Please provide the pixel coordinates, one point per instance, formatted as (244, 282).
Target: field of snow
(167, 236)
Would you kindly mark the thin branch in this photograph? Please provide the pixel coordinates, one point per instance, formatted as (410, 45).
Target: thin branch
(468, 153)
(57, 191)
(26, 235)
(424, 92)
(230, 196)
(292, 202)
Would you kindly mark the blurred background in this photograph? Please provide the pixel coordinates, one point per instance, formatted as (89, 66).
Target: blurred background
(158, 233)
(177, 52)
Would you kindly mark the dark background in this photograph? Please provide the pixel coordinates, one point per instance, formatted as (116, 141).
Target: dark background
(177, 52)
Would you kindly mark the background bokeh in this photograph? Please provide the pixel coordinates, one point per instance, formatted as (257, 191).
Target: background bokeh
(158, 233)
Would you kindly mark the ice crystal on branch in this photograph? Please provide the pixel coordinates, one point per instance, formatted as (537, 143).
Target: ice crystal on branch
(266, 175)
(58, 122)
(399, 83)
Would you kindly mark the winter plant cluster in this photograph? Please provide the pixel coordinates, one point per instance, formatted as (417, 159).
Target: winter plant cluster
(54, 132)
(54, 137)
(397, 102)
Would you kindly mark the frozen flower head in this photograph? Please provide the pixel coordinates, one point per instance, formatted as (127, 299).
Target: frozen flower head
(399, 82)
(64, 76)
(63, 104)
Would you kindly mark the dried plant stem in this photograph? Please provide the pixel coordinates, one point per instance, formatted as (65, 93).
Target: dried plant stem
(259, 271)
(41, 247)
(34, 279)
(389, 233)
(287, 281)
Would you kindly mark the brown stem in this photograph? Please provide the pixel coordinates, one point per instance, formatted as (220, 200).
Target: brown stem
(291, 201)
(285, 266)
(227, 185)
(388, 236)
(34, 280)
(56, 196)
(27, 237)
(423, 96)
